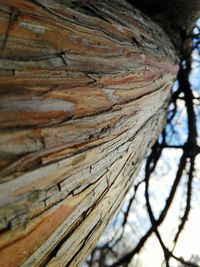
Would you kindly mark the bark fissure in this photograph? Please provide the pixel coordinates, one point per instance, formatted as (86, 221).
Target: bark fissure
(84, 90)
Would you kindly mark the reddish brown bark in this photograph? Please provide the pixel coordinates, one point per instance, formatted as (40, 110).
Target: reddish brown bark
(83, 91)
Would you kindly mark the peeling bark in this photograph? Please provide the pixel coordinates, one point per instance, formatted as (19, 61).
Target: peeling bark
(83, 93)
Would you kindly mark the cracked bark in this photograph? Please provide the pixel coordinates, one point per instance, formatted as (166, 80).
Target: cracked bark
(83, 95)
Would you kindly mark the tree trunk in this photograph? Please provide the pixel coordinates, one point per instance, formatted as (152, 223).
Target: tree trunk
(83, 92)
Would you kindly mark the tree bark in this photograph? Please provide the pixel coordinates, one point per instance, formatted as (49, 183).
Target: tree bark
(84, 87)
(176, 17)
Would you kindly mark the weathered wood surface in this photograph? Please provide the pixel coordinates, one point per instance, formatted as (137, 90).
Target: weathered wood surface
(83, 91)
